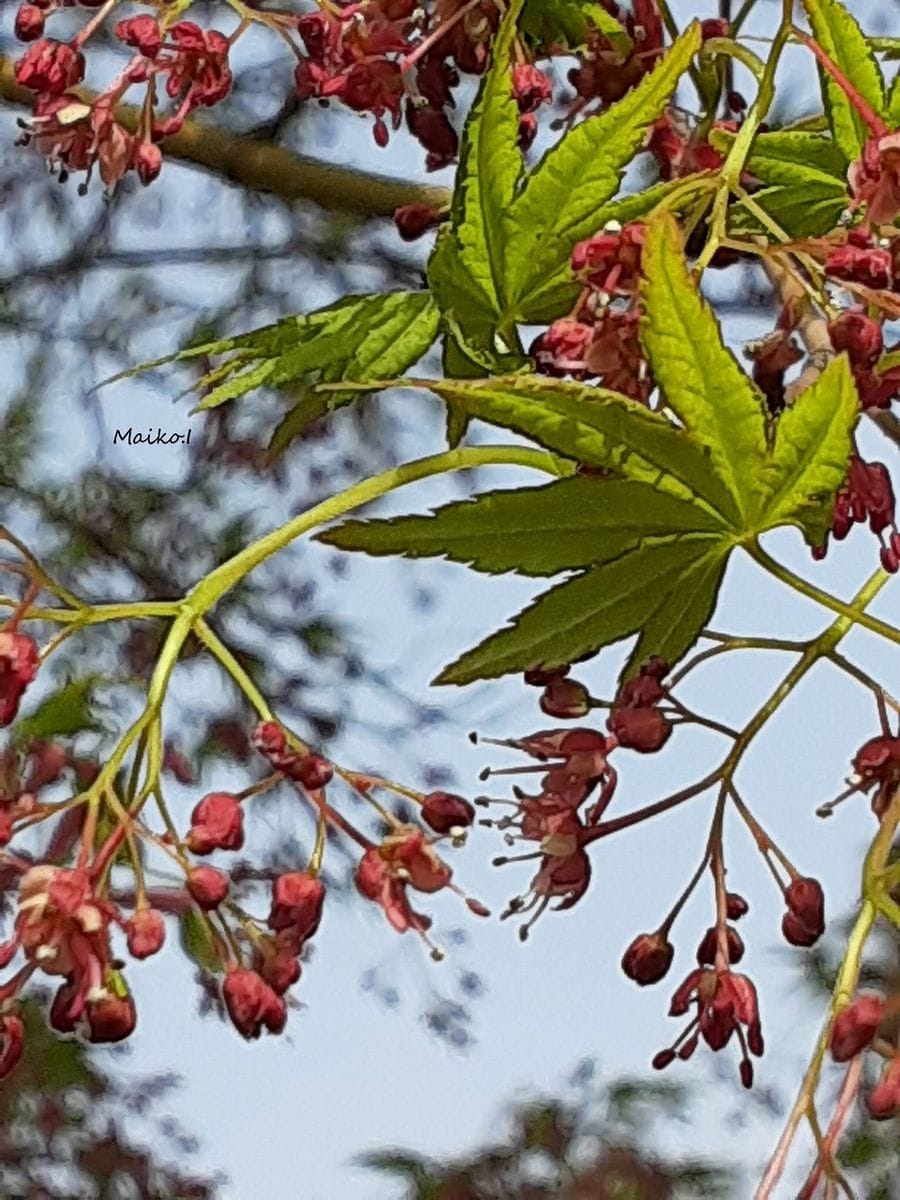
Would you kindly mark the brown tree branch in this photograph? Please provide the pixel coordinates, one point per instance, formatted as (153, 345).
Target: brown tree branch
(262, 167)
(813, 329)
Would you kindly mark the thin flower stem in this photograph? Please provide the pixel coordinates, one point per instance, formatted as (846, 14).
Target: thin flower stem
(315, 862)
(865, 679)
(605, 828)
(844, 989)
(728, 644)
(38, 573)
(733, 167)
(825, 1161)
(717, 862)
(436, 35)
(742, 14)
(202, 597)
(96, 614)
(853, 612)
(217, 647)
(679, 904)
(762, 839)
(707, 722)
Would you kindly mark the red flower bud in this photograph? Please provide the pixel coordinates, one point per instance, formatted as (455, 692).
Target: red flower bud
(855, 1027)
(310, 770)
(269, 739)
(279, 969)
(67, 1007)
(736, 906)
(29, 23)
(142, 33)
(412, 220)
(216, 824)
(663, 1059)
(252, 1004)
(531, 87)
(859, 335)
(884, 1099)
(297, 899)
(147, 161)
(706, 951)
(442, 811)
(868, 265)
(207, 886)
(642, 729)
(714, 27)
(565, 699)
(49, 67)
(111, 1018)
(804, 922)
(12, 1043)
(18, 666)
(146, 932)
(648, 958)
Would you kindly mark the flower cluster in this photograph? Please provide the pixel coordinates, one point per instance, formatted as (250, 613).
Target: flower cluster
(876, 769)
(190, 63)
(609, 68)
(868, 1024)
(599, 339)
(73, 902)
(867, 495)
(395, 60)
(575, 770)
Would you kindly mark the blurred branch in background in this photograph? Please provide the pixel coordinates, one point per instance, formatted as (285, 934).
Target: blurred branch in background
(258, 165)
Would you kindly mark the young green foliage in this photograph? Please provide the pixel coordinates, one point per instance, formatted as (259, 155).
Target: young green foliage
(467, 272)
(569, 22)
(606, 603)
(805, 182)
(650, 545)
(700, 379)
(545, 530)
(357, 339)
(840, 36)
(559, 203)
(809, 459)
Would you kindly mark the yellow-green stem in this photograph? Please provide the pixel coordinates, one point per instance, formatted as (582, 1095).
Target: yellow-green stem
(202, 597)
(853, 611)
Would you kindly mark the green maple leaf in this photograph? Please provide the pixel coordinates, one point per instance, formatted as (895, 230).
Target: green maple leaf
(839, 35)
(649, 545)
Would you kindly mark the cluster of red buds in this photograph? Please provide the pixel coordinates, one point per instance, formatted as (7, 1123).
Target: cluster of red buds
(609, 68)
(70, 905)
(375, 58)
(875, 176)
(725, 1005)
(864, 259)
(19, 660)
(575, 766)
(569, 812)
(190, 63)
(876, 770)
(726, 1002)
(396, 60)
(862, 338)
(869, 1024)
(867, 495)
(405, 858)
(679, 149)
(599, 339)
